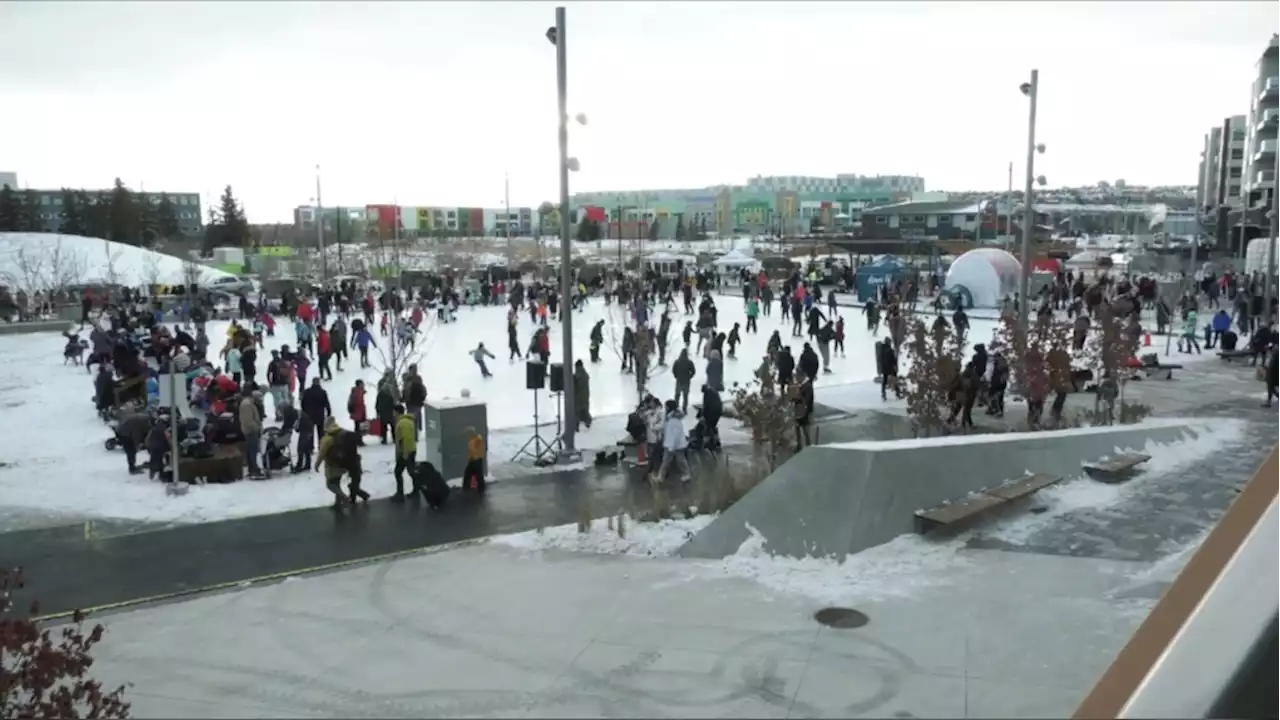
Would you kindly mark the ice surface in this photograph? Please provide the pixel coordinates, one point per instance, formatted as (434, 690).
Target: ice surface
(54, 460)
(661, 538)
(86, 259)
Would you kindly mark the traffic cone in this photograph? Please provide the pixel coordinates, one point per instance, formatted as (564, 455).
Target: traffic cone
(1146, 339)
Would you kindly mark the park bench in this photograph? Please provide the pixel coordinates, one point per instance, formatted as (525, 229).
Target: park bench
(1115, 469)
(957, 514)
(1230, 355)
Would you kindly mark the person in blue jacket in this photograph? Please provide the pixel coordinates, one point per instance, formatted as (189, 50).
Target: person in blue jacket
(362, 340)
(1221, 323)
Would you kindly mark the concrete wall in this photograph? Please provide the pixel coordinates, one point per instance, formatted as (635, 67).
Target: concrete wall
(836, 500)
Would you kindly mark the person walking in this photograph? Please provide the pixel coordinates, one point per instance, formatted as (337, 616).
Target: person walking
(406, 439)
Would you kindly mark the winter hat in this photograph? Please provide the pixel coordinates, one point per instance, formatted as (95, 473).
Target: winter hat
(330, 422)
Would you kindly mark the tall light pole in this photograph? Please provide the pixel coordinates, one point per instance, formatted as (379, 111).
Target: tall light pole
(506, 220)
(324, 261)
(1030, 89)
(557, 36)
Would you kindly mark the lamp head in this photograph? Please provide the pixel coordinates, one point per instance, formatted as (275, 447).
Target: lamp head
(1024, 87)
(1040, 148)
(1040, 180)
(552, 35)
(572, 164)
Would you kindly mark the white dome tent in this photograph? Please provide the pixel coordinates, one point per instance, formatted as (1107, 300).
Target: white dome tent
(1255, 255)
(988, 274)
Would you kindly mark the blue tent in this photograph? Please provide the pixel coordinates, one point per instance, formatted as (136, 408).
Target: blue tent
(871, 277)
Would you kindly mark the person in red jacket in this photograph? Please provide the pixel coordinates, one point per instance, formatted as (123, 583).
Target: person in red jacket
(324, 350)
(355, 408)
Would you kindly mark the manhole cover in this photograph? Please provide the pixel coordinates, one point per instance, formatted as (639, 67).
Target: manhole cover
(842, 618)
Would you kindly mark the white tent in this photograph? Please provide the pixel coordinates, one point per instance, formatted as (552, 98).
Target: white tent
(989, 274)
(734, 259)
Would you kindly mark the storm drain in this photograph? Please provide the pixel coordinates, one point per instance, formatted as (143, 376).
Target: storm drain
(841, 618)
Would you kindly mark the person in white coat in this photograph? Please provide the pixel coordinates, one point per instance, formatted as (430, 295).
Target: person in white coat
(673, 444)
(654, 417)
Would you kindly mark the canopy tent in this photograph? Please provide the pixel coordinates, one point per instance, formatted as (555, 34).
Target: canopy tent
(734, 259)
(869, 278)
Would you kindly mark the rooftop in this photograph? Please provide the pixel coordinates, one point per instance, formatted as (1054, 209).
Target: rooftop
(925, 208)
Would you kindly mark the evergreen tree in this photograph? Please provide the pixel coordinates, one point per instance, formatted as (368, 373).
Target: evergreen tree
(29, 214)
(214, 233)
(72, 221)
(702, 229)
(235, 231)
(148, 229)
(167, 226)
(680, 226)
(654, 229)
(10, 209)
(95, 214)
(123, 215)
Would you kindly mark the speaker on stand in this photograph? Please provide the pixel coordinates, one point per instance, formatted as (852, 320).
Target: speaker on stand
(535, 379)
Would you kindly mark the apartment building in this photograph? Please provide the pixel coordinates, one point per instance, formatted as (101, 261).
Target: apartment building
(1264, 118)
(1222, 165)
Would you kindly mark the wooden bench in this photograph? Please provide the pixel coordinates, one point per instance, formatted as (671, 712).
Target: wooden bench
(1116, 469)
(1229, 355)
(953, 515)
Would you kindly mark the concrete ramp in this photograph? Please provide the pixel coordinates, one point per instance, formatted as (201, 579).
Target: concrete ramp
(836, 500)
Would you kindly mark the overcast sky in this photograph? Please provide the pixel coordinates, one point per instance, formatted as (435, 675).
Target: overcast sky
(431, 103)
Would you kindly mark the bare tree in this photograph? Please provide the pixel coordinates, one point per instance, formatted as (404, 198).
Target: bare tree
(29, 277)
(151, 270)
(111, 272)
(192, 271)
(65, 267)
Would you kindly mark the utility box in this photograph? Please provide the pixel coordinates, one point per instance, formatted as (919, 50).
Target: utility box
(444, 425)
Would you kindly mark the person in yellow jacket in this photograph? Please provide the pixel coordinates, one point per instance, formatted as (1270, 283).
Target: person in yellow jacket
(473, 474)
(406, 437)
(331, 445)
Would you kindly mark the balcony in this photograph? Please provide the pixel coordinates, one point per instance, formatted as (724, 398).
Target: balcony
(1267, 118)
(1264, 179)
(1270, 89)
(1264, 149)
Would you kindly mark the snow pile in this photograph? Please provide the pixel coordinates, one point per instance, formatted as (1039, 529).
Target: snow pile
(33, 261)
(898, 568)
(649, 539)
(1082, 493)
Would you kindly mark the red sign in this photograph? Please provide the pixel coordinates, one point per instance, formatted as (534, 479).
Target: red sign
(1045, 266)
(384, 217)
(595, 214)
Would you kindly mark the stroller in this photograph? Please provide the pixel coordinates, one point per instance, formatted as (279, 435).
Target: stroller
(276, 455)
(702, 437)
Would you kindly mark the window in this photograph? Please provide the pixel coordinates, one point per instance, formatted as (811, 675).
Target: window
(970, 218)
(1233, 190)
(944, 219)
(1236, 172)
(1237, 136)
(44, 199)
(882, 220)
(917, 218)
(1237, 153)
(57, 200)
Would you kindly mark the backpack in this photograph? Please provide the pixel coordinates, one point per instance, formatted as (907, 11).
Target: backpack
(345, 452)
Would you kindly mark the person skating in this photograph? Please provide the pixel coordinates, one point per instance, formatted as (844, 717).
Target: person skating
(338, 341)
(732, 341)
(683, 371)
(1188, 339)
(687, 333)
(363, 340)
(803, 410)
(306, 441)
(581, 394)
(628, 349)
(132, 431)
(809, 363)
(1273, 376)
(406, 437)
(715, 371)
(753, 314)
(479, 355)
(887, 368)
(825, 335)
(786, 365)
(324, 351)
(664, 328)
(513, 343)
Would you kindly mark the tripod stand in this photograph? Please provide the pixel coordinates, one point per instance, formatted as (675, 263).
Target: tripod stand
(543, 453)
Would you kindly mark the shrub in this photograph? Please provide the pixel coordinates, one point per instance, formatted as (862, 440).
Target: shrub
(43, 672)
(768, 413)
(936, 358)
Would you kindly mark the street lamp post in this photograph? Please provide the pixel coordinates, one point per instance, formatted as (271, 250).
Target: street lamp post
(324, 260)
(1030, 89)
(557, 35)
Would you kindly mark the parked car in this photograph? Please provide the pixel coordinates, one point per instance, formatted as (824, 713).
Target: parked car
(231, 285)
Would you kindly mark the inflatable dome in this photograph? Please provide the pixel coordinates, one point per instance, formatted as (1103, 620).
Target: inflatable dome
(988, 274)
(1255, 255)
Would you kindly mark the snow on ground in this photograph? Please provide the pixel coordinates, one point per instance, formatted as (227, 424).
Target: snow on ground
(895, 569)
(649, 539)
(1082, 493)
(36, 260)
(55, 460)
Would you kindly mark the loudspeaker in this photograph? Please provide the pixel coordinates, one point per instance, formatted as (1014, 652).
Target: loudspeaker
(557, 377)
(535, 375)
